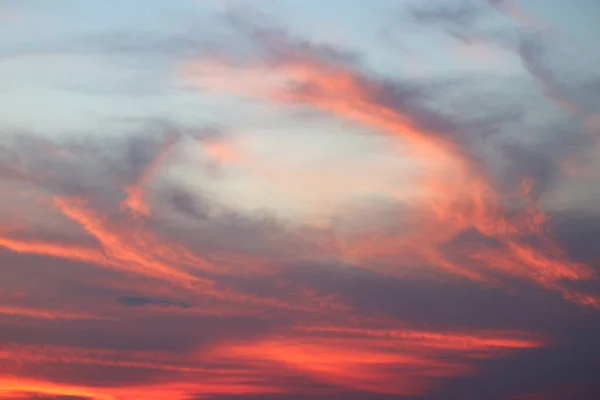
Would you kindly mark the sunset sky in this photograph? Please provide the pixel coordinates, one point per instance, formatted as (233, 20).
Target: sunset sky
(298, 199)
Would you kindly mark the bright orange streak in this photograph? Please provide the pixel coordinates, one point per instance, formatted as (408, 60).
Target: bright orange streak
(332, 89)
(386, 361)
(450, 340)
(220, 386)
(195, 376)
(140, 252)
(133, 249)
(11, 387)
(343, 95)
(394, 362)
(123, 253)
(120, 359)
(461, 197)
(46, 314)
(56, 250)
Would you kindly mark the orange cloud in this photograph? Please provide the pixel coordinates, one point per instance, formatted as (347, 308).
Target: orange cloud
(221, 151)
(89, 255)
(395, 362)
(300, 338)
(459, 196)
(44, 314)
(122, 252)
(403, 362)
(11, 388)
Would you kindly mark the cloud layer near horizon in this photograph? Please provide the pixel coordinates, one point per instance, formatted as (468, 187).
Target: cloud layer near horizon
(257, 209)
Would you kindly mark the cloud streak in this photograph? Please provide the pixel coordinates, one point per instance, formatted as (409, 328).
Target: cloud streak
(340, 90)
(350, 230)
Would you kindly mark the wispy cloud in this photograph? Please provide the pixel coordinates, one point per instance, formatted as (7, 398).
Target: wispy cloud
(345, 91)
(419, 259)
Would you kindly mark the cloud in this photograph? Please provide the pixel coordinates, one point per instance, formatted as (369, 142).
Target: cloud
(124, 276)
(464, 14)
(373, 369)
(530, 41)
(137, 338)
(311, 77)
(136, 301)
(518, 14)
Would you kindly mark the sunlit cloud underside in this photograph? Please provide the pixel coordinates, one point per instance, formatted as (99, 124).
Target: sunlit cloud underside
(294, 200)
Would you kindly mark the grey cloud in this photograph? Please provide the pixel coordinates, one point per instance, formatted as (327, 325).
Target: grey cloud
(445, 303)
(556, 141)
(104, 166)
(139, 301)
(574, 360)
(459, 13)
(92, 165)
(162, 333)
(278, 43)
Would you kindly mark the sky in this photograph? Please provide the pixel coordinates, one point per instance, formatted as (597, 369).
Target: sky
(298, 199)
